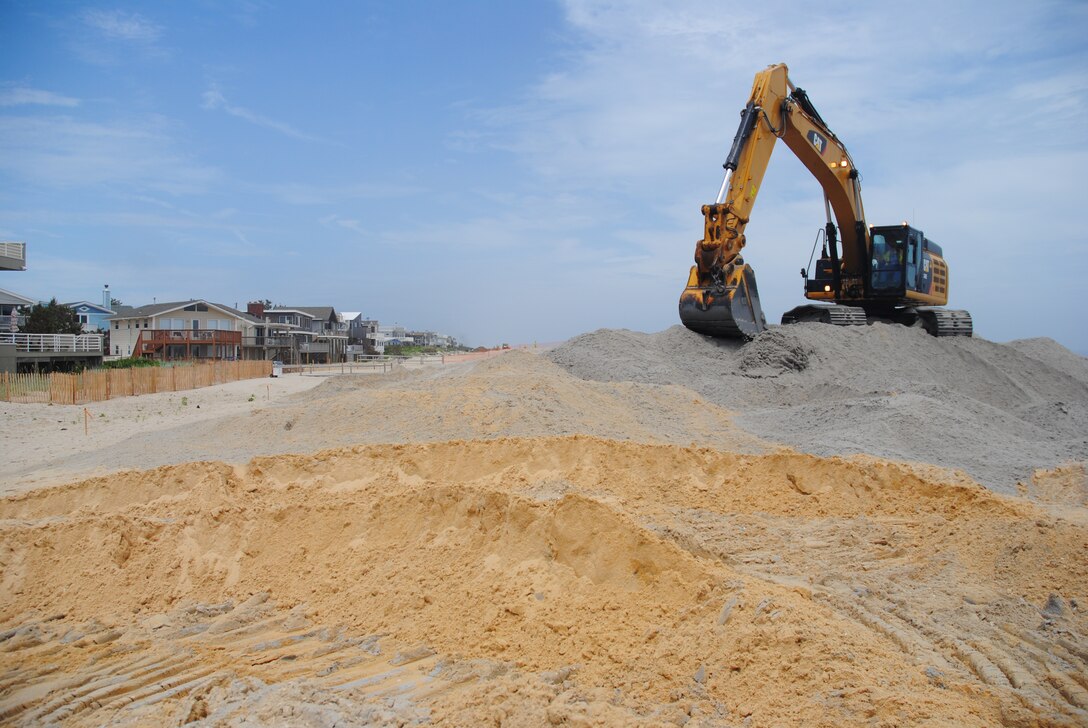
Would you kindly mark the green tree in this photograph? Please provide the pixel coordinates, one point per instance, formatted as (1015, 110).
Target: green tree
(51, 318)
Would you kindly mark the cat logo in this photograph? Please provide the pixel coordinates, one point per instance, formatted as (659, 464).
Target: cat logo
(817, 141)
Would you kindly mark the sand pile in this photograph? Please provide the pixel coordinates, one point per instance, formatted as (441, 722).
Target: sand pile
(612, 534)
(542, 577)
(518, 394)
(996, 411)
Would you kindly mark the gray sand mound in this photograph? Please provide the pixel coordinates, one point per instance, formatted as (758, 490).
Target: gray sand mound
(518, 394)
(997, 411)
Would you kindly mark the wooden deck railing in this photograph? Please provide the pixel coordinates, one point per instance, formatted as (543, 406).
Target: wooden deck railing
(152, 340)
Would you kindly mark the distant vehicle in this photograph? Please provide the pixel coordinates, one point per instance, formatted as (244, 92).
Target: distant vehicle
(889, 273)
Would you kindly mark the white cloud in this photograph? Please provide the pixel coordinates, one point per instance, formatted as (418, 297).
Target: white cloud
(335, 221)
(972, 112)
(654, 89)
(213, 99)
(60, 151)
(296, 193)
(113, 37)
(20, 96)
(121, 26)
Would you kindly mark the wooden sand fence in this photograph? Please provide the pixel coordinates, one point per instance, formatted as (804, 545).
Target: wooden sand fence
(102, 384)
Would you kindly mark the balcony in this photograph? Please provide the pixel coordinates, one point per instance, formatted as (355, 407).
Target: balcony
(272, 342)
(34, 352)
(55, 343)
(185, 344)
(12, 256)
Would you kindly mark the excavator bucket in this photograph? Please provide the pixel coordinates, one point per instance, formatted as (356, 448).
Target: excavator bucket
(728, 310)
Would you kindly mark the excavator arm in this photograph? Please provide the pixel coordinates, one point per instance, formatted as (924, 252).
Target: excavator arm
(721, 298)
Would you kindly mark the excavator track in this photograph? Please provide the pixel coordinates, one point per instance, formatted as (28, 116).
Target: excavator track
(946, 322)
(826, 314)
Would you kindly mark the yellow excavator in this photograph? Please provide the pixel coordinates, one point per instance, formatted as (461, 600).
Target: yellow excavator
(880, 273)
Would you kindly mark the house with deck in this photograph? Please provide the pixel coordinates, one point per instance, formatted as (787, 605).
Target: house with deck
(23, 352)
(320, 333)
(196, 329)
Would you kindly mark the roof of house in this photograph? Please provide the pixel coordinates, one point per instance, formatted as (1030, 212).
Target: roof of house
(317, 313)
(155, 309)
(11, 298)
(286, 309)
(90, 304)
(324, 313)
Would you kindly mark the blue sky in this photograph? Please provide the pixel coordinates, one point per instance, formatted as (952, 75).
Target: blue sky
(527, 171)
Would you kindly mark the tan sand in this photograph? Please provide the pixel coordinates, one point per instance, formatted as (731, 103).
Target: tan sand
(470, 566)
(36, 437)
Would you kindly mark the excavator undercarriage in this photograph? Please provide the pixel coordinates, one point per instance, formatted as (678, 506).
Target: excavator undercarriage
(935, 320)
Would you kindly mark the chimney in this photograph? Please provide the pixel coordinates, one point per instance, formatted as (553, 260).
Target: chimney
(255, 309)
(106, 297)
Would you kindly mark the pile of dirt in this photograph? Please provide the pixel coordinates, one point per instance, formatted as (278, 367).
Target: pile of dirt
(996, 411)
(612, 533)
(519, 394)
(568, 578)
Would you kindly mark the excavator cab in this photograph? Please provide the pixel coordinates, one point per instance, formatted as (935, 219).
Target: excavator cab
(886, 265)
(900, 261)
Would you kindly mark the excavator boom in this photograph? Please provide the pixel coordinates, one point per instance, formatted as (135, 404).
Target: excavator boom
(721, 298)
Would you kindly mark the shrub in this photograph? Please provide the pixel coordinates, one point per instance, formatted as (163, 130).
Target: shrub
(131, 363)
